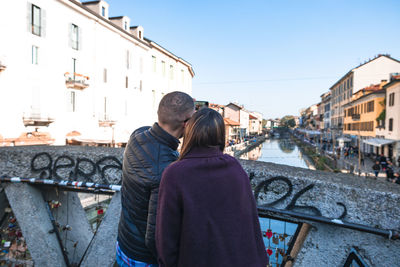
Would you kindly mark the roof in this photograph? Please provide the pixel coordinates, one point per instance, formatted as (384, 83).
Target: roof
(118, 17)
(82, 5)
(166, 51)
(146, 41)
(372, 87)
(350, 71)
(382, 91)
(231, 122)
(394, 80)
(252, 117)
(212, 105)
(90, 2)
(234, 105)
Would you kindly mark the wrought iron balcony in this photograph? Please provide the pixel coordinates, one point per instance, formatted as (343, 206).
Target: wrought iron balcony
(105, 120)
(76, 81)
(2, 67)
(36, 119)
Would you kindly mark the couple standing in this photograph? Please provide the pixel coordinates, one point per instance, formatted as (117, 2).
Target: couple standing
(198, 211)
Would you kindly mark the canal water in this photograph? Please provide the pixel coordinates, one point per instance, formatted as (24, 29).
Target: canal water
(280, 151)
(278, 235)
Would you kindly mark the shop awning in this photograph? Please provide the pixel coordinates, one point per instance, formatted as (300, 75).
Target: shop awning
(344, 139)
(378, 141)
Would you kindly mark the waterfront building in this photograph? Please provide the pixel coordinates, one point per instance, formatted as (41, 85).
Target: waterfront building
(370, 72)
(237, 113)
(390, 129)
(319, 119)
(70, 73)
(309, 116)
(255, 123)
(362, 114)
(326, 109)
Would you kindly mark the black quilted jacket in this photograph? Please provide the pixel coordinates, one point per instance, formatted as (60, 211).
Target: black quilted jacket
(148, 153)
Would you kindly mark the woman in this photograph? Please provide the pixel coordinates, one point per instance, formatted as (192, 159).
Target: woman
(207, 214)
(376, 167)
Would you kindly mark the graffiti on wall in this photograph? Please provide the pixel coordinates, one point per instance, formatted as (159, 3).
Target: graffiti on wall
(286, 185)
(66, 168)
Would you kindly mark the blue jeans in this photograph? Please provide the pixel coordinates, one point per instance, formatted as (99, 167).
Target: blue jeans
(125, 261)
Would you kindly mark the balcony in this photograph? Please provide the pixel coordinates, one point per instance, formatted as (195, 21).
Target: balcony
(105, 120)
(2, 67)
(76, 81)
(36, 119)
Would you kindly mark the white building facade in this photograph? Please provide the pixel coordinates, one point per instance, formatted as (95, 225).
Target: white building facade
(392, 120)
(68, 67)
(371, 72)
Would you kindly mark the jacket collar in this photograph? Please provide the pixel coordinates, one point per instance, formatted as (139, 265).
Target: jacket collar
(164, 137)
(204, 152)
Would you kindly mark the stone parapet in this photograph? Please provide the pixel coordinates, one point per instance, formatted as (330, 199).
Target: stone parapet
(346, 197)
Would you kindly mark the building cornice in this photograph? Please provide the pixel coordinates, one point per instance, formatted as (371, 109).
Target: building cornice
(170, 54)
(82, 9)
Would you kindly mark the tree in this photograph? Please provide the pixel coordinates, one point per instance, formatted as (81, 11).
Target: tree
(288, 121)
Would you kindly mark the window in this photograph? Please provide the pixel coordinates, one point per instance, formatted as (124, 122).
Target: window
(391, 99)
(140, 34)
(105, 109)
(35, 50)
(103, 11)
(72, 101)
(154, 63)
(126, 25)
(390, 124)
(370, 106)
(171, 72)
(105, 75)
(128, 59)
(163, 68)
(74, 67)
(126, 82)
(74, 37)
(141, 85)
(36, 20)
(183, 76)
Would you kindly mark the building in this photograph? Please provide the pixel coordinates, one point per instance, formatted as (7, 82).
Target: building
(255, 123)
(326, 110)
(370, 72)
(391, 129)
(320, 116)
(361, 115)
(70, 73)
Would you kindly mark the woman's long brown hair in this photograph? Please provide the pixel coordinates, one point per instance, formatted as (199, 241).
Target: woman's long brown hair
(206, 128)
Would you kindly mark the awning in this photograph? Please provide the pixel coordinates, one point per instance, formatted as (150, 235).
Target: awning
(344, 139)
(378, 141)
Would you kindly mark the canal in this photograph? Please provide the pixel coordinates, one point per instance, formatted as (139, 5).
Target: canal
(278, 235)
(280, 151)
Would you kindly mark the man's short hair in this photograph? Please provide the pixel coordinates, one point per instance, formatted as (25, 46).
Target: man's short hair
(173, 108)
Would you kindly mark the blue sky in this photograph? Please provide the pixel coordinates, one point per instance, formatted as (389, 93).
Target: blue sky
(272, 56)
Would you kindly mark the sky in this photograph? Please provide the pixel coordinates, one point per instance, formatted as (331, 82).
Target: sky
(272, 56)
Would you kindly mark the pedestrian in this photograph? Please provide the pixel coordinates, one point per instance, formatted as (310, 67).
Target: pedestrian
(197, 223)
(396, 178)
(398, 161)
(376, 167)
(148, 152)
(389, 171)
(383, 161)
(362, 159)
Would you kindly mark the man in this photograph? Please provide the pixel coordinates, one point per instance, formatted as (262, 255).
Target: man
(149, 151)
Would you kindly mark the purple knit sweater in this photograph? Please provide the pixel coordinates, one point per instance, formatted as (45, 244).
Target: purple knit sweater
(207, 214)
